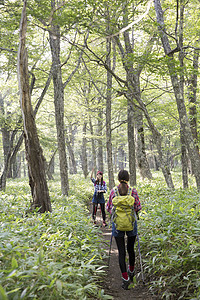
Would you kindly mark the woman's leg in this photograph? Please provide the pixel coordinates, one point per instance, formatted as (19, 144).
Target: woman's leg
(94, 211)
(121, 253)
(131, 252)
(102, 205)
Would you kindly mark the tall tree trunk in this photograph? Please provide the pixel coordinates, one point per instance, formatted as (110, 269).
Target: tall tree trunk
(142, 161)
(7, 163)
(6, 136)
(4, 129)
(35, 159)
(121, 156)
(130, 109)
(183, 118)
(135, 92)
(157, 138)
(24, 163)
(131, 143)
(184, 160)
(15, 166)
(51, 164)
(94, 158)
(14, 150)
(47, 170)
(130, 74)
(192, 96)
(73, 169)
(108, 118)
(70, 146)
(100, 165)
(6, 139)
(115, 159)
(84, 152)
(54, 35)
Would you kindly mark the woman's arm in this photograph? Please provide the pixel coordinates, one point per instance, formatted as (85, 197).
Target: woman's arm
(104, 190)
(137, 204)
(109, 204)
(91, 176)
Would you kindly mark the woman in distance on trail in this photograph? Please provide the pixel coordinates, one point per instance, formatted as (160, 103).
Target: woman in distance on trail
(98, 197)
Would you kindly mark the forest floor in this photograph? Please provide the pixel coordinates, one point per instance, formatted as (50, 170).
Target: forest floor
(112, 280)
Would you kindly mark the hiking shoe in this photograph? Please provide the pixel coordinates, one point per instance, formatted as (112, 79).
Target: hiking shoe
(104, 224)
(125, 283)
(131, 275)
(94, 222)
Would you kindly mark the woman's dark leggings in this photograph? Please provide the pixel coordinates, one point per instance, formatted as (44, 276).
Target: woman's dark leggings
(120, 241)
(94, 212)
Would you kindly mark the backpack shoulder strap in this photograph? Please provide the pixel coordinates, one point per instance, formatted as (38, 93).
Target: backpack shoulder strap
(129, 191)
(117, 191)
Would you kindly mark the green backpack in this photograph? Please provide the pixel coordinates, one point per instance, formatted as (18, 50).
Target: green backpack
(123, 214)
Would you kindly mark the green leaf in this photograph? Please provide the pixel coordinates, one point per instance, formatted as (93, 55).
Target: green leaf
(13, 273)
(14, 263)
(59, 285)
(3, 295)
(23, 294)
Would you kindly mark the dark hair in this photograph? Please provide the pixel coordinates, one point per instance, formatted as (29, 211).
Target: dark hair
(100, 173)
(123, 177)
(97, 180)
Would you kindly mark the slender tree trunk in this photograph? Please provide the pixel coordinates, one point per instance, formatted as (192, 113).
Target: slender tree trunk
(192, 96)
(54, 35)
(130, 74)
(51, 164)
(72, 158)
(94, 159)
(84, 152)
(11, 156)
(14, 150)
(35, 159)
(135, 92)
(47, 170)
(183, 118)
(100, 164)
(130, 109)
(121, 156)
(4, 129)
(184, 160)
(115, 159)
(131, 143)
(70, 146)
(108, 118)
(6, 142)
(7, 163)
(6, 138)
(142, 161)
(157, 138)
(15, 166)
(24, 163)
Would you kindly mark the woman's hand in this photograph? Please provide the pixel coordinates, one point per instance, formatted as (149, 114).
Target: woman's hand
(92, 173)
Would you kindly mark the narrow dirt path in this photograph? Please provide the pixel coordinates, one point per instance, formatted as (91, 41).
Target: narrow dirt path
(112, 281)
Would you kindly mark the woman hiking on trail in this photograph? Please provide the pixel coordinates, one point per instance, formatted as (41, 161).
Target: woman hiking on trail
(98, 198)
(121, 190)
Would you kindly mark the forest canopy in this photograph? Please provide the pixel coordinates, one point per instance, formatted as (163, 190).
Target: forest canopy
(112, 85)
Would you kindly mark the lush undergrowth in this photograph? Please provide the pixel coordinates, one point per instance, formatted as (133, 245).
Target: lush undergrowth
(170, 239)
(58, 255)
